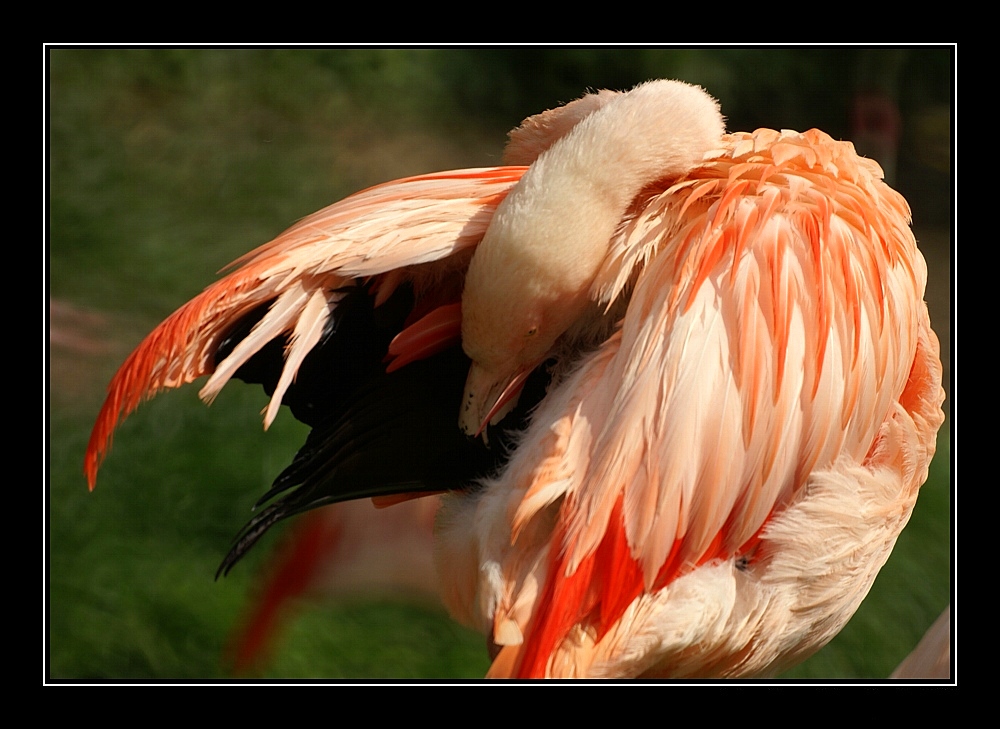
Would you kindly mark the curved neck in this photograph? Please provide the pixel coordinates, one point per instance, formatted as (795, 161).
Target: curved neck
(530, 278)
(563, 212)
(658, 130)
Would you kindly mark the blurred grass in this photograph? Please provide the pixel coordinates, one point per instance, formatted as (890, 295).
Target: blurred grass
(167, 164)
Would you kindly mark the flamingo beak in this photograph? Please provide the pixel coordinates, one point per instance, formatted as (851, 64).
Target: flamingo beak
(489, 398)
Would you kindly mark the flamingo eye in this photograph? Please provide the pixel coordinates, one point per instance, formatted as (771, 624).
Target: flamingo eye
(531, 332)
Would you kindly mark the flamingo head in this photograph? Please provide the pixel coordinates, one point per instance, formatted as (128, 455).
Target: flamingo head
(505, 346)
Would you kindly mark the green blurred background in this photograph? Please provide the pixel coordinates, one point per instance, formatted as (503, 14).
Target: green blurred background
(166, 164)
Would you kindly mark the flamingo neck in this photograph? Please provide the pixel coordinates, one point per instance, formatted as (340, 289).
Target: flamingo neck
(548, 238)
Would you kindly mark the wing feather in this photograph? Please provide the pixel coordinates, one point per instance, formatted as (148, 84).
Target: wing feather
(306, 335)
(420, 225)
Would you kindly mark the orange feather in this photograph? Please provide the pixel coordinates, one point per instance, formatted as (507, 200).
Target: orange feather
(744, 395)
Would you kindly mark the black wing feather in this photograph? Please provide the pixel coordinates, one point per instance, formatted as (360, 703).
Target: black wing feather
(374, 433)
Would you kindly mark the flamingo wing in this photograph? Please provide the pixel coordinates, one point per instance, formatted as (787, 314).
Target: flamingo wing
(775, 322)
(334, 318)
(419, 230)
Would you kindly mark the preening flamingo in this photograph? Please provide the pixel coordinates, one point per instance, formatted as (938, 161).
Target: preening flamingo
(695, 373)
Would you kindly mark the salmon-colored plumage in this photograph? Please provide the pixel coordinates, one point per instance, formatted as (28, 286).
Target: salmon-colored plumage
(438, 216)
(744, 399)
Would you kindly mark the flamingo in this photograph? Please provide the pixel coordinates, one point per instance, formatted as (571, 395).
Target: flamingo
(696, 386)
